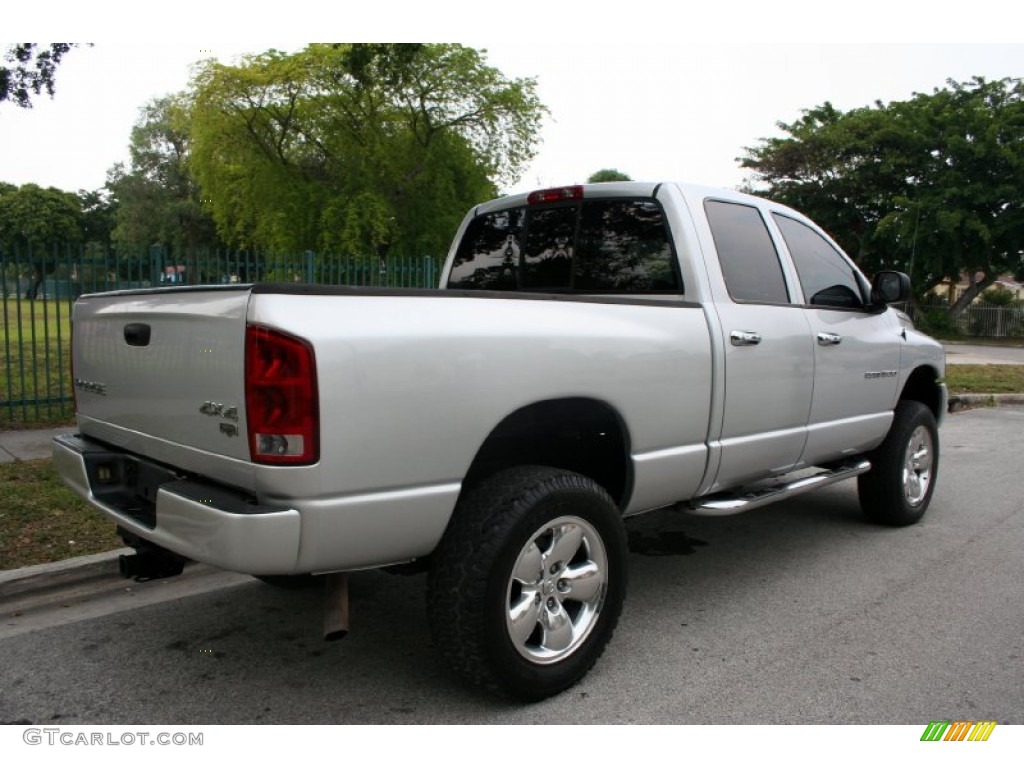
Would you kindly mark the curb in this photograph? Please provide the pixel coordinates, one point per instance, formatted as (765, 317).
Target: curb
(50, 577)
(963, 402)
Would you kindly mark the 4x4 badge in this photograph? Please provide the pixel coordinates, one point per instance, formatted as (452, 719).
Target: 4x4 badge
(220, 410)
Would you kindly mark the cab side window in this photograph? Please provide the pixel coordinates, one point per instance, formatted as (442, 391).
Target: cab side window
(750, 263)
(827, 279)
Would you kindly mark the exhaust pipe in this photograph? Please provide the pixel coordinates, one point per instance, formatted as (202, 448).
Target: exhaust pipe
(335, 606)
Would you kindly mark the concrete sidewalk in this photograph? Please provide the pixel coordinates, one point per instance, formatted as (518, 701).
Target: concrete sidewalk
(26, 444)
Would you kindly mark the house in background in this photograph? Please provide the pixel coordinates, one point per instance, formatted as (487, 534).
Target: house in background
(949, 291)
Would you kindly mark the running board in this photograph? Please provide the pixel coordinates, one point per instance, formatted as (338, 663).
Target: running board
(725, 504)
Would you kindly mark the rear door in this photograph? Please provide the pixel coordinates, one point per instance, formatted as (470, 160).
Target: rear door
(769, 357)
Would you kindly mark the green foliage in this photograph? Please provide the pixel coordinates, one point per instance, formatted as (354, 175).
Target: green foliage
(937, 322)
(98, 216)
(43, 226)
(27, 71)
(363, 148)
(38, 217)
(931, 185)
(607, 174)
(998, 296)
(157, 200)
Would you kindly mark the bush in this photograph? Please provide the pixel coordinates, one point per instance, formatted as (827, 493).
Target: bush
(937, 322)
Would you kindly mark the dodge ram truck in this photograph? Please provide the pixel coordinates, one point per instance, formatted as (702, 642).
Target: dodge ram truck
(592, 352)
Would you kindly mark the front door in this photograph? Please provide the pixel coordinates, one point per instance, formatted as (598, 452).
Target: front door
(856, 349)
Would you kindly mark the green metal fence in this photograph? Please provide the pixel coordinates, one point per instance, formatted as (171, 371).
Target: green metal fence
(38, 287)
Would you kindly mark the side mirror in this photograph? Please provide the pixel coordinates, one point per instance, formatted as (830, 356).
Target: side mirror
(890, 287)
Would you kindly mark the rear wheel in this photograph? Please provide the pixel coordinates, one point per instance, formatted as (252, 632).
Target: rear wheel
(528, 582)
(904, 468)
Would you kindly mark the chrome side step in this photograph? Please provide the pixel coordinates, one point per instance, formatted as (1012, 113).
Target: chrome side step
(720, 504)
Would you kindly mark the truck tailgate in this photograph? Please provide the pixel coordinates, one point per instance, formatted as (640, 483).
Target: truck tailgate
(164, 366)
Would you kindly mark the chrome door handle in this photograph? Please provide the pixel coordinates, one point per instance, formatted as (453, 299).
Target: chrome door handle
(829, 339)
(744, 338)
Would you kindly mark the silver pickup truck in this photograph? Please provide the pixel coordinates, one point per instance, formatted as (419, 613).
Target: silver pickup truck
(593, 352)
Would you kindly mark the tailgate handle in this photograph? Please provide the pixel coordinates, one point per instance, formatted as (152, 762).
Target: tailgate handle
(137, 334)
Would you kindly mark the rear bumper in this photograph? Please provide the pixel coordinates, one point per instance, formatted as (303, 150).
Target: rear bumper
(205, 522)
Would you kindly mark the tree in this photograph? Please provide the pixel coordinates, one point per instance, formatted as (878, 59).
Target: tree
(607, 174)
(931, 185)
(39, 220)
(361, 148)
(27, 72)
(157, 199)
(99, 212)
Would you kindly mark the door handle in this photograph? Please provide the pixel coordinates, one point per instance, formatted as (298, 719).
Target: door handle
(744, 338)
(829, 339)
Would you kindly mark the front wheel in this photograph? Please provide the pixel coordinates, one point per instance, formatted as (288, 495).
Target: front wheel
(904, 468)
(528, 582)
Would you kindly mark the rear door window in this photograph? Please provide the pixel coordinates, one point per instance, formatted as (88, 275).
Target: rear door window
(750, 263)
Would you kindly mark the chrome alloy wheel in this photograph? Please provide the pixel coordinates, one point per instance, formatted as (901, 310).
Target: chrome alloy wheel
(556, 590)
(917, 466)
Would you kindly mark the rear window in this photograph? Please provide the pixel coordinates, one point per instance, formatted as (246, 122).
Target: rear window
(593, 246)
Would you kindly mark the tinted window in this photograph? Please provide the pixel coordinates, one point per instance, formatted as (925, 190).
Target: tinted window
(488, 256)
(750, 263)
(827, 279)
(617, 246)
(547, 258)
(623, 246)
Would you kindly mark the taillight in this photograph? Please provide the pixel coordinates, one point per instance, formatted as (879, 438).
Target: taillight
(280, 398)
(554, 195)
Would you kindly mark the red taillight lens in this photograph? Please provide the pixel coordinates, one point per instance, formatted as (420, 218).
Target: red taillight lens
(280, 398)
(554, 195)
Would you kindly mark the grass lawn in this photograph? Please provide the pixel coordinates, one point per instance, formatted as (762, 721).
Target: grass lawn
(984, 379)
(35, 349)
(35, 321)
(42, 521)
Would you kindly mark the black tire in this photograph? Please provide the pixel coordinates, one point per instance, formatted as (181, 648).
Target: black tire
(496, 623)
(904, 468)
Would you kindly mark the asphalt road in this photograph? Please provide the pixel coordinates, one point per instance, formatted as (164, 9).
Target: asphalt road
(797, 613)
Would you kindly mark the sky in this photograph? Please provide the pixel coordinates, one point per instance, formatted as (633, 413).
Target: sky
(675, 100)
